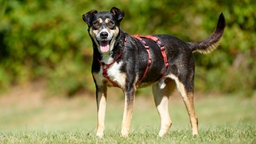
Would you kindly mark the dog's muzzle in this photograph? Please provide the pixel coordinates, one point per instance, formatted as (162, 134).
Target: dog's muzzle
(104, 39)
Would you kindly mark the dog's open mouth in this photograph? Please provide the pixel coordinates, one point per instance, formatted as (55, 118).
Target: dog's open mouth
(104, 46)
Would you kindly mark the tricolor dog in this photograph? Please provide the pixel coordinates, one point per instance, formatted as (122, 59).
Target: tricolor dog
(131, 62)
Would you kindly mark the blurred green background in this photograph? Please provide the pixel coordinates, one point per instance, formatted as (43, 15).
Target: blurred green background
(47, 40)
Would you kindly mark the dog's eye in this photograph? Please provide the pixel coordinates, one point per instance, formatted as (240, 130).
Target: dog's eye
(111, 25)
(96, 25)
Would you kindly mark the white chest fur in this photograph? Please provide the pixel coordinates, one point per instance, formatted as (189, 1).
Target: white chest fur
(113, 73)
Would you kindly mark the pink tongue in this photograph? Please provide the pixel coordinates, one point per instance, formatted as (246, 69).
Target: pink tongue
(104, 46)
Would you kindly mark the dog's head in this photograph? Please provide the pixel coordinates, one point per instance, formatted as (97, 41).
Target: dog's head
(103, 27)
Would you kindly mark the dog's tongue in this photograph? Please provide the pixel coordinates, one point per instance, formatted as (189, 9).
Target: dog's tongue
(104, 46)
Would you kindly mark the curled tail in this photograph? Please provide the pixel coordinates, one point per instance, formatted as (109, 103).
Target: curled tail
(209, 44)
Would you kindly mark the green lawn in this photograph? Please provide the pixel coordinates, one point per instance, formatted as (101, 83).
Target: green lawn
(222, 119)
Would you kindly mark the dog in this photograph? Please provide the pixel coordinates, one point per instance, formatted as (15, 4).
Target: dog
(131, 62)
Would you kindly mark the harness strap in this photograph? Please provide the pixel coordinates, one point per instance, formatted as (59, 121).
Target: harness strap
(106, 66)
(163, 52)
(140, 38)
(149, 58)
(105, 70)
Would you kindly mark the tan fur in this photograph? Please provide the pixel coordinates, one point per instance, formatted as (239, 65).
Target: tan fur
(161, 98)
(101, 109)
(127, 116)
(188, 98)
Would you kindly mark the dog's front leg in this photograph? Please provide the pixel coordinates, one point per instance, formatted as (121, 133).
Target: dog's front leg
(128, 108)
(101, 99)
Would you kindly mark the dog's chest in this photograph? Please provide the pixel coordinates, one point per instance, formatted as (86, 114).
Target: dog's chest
(114, 71)
(112, 74)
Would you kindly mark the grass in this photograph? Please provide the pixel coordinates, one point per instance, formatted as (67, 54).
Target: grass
(225, 119)
(216, 135)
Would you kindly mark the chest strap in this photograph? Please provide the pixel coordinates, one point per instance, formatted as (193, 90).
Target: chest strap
(163, 52)
(105, 67)
(105, 70)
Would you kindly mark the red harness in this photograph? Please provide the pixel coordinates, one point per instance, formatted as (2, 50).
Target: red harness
(163, 52)
(105, 70)
(140, 38)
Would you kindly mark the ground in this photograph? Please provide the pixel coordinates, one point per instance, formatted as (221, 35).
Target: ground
(29, 115)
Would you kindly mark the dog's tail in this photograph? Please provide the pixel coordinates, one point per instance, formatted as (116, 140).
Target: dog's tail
(209, 44)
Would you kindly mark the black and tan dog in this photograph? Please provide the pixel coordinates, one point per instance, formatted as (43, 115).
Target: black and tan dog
(130, 62)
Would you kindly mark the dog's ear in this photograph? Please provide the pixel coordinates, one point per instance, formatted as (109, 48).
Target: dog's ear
(88, 16)
(117, 13)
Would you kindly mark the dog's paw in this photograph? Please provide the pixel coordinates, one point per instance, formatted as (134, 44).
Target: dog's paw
(162, 133)
(195, 132)
(99, 134)
(124, 133)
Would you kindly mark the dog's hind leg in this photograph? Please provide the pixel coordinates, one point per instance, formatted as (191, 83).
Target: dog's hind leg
(189, 102)
(161, 92)
(185, 87)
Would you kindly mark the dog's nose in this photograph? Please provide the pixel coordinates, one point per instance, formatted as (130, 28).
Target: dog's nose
(103, 35)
